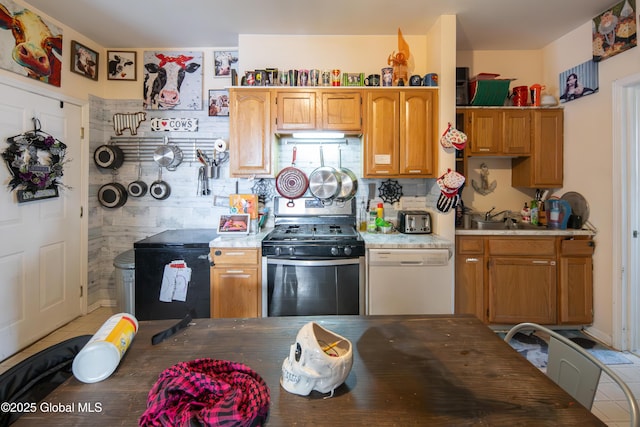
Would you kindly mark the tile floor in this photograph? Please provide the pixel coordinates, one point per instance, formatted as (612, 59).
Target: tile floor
(610, 405)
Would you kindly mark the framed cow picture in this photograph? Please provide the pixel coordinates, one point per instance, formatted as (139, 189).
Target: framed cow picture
(219, 103)
(224, 61)
(84, 61)
(121, 65)
(30, 63)
(172, 80)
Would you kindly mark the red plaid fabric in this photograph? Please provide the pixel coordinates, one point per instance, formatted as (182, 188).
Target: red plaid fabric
(207, 392)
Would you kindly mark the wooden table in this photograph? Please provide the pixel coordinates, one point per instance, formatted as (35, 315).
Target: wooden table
(407, 370)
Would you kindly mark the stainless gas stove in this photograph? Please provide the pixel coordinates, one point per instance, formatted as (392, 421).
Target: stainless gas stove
(313, 260)
(311, 229)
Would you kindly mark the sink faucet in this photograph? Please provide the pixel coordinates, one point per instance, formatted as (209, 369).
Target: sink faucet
(489, 216)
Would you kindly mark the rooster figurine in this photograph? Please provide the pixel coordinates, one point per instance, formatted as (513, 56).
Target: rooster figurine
(400, 60)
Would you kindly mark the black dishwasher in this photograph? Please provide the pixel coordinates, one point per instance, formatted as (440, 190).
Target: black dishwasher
(172, 274)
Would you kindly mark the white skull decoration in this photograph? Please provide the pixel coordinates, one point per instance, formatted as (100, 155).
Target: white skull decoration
(319, 360)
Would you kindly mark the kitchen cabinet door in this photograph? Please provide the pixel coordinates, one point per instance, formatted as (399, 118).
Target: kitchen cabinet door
(576, 281)
(234, 292)
(236, 287)
(499, 132)
(469, 276)
(341, 111)
(516, 132)
(417, 137)
(250, 137)
(382, 136)
(522, 290)
(295, 110)
(400, 139)
(544, 167)
(485, 126)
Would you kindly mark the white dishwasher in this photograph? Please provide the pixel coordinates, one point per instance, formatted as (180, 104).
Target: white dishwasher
(409, 281)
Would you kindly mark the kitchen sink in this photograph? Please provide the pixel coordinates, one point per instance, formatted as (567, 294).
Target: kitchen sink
(480, 224)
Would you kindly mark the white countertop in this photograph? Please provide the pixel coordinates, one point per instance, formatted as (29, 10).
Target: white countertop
(397, 240)
(542, 232)
(246, 241)
(372, 240)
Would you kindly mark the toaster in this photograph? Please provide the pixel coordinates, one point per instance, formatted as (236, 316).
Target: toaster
(414, 222)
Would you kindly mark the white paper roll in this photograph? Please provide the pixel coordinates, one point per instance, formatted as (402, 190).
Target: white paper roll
(221, 145)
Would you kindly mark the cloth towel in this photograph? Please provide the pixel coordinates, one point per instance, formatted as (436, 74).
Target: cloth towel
(175, 281)
(207, 392)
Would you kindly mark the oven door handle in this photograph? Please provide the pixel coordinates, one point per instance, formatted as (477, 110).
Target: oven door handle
(314, 263)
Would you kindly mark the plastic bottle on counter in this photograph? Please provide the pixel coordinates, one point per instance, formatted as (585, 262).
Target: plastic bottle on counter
(371, 225)
(363, 218)
(101, 355)
(526, 213)
(380, 210)
(534, 212)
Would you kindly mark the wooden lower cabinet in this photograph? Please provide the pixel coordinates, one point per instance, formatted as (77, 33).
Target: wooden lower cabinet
(236, 285)
(576, 269)
(469, 271)
(521, 290)
(508, 280)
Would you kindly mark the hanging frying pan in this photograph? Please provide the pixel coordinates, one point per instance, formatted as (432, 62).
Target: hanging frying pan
(137, 188)
(324, 182)
(168, 156)
(159, 189)
(112, 195)
(108, 156)
(291, 182)
(348, 183)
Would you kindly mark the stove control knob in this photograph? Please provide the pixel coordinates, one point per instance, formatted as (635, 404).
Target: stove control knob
(291, 250)
(347, 250)
(278, 251)
(335, 251)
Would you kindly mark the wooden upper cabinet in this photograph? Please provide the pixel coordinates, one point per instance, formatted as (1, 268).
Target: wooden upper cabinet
(496, 131)
(544, 168)
(485, 131)
(417, 130)
(318, 109)
(400, 139)
(341, 111)
(250, 136)
(295, 110)
(516, 132)
(382, 136)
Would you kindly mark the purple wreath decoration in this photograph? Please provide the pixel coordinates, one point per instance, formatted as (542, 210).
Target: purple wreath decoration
(35, 160)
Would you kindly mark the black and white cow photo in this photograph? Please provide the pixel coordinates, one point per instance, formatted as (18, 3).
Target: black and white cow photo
(172, 80)
(121, 65)
(224, 61)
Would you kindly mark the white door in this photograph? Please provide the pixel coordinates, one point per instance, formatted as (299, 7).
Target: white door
(40, 250)
(626, 204)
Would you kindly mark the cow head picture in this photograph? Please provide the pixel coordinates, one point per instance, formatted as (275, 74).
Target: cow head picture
(121, 65)
(223, 60)
(173, 81)
(37, 49)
